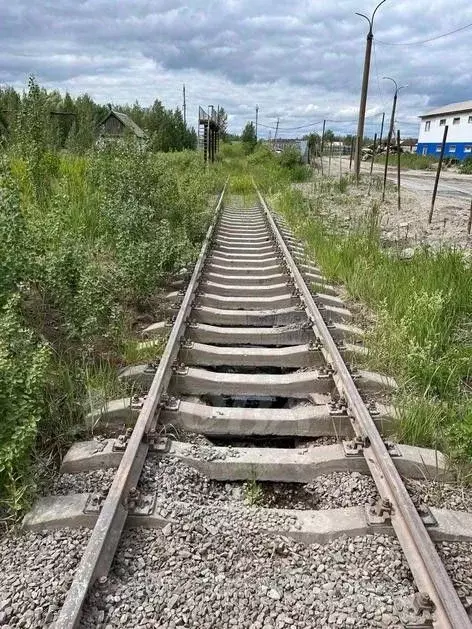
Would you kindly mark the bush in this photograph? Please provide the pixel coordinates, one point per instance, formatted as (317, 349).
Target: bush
(290, 157)
(422, 311)
(24, 363)
(466, 166)
(81, 248)
(13, 241)
(291, 160)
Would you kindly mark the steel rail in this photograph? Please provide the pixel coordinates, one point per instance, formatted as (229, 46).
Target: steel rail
(105, 536)
(428, 570)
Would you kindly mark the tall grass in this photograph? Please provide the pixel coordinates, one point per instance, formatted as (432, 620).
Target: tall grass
(410, 160)
(271, 172)
(85, 242)
(422, 311)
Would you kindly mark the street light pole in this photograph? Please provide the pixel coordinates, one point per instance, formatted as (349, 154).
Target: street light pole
(364, 89)
(390, 131)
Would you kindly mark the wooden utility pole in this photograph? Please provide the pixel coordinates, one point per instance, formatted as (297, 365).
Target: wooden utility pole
(322, 145)
(365, 87)
(184, 106)
(322, 138)
(257, 118)
(276, 129)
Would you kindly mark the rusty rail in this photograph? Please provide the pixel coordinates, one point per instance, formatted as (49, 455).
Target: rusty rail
(103, 542)
(428, 570)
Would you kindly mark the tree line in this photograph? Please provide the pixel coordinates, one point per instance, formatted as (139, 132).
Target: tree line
(64, 122)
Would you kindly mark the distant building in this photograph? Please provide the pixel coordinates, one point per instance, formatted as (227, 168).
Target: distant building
(117, 125)
(300, 145)
(458, 117)
(409, 145)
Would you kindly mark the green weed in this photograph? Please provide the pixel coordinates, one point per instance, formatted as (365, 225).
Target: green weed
(410, 160)
(83, 242)
(253, 493)
(420, 313)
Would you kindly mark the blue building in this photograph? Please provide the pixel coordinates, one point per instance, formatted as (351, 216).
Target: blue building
(458, 117)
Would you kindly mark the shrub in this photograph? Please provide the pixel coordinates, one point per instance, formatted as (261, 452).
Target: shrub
(24, 363)
(82, 246)
(13, 241)
(422, 310)
(290, 157)
(466, 166)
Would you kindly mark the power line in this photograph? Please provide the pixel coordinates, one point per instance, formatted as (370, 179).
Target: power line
(313, 124)
(424, 41)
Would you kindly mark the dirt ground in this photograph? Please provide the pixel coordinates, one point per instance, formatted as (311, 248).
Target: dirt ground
(408, 226)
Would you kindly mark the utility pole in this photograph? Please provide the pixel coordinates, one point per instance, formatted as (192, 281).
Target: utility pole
(322, 137)
(390, 131)
(185, 107)
(257, 117)
(322, 145)
(276, 129)
(365, 87)
(381, 130)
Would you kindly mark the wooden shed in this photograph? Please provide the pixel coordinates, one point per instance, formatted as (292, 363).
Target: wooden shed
(117, 125)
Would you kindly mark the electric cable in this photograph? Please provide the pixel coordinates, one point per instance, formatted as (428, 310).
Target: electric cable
(424, 41)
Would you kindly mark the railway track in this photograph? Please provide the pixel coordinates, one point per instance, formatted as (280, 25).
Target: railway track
(256, 357)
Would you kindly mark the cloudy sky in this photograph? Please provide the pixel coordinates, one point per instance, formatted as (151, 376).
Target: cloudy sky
(300, 61)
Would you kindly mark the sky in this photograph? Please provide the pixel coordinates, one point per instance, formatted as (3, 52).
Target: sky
(299, 61)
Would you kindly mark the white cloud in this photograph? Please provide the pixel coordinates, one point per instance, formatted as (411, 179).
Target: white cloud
(300, 61)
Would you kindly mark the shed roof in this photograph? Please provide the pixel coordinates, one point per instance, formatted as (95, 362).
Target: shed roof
(126, 121)
(465, 105)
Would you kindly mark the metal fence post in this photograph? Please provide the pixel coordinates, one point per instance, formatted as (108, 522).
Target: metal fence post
(398, 169)
(438, 173)
(372, 163)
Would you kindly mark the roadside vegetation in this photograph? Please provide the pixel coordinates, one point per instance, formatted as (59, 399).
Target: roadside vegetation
(86, 242)
(410, 161)
(420, 312)
(466, 166)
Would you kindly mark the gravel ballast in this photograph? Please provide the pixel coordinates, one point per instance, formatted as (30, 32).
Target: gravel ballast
(178, 481)
(37, 570)
(190, 577)
(217, 566)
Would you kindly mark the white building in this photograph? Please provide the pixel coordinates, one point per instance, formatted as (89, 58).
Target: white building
(458, 117)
